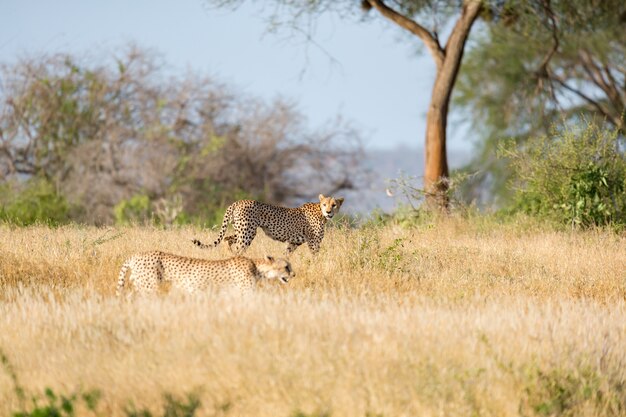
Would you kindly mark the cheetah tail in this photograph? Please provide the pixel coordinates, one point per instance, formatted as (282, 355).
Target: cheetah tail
(200, 244)
(228, 217)
(122, 278)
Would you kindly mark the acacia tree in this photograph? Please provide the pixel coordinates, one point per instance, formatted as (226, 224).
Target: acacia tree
(410, 15)
(549, 62)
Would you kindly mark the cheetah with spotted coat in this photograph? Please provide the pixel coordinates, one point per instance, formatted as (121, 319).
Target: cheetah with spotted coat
(150, 269)
(293, 225)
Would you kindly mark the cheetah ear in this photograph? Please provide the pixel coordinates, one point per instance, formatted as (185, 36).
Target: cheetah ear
(269, 258)
(321, 197)
(339, 201)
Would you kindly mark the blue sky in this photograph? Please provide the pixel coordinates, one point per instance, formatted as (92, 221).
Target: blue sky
(376, 79)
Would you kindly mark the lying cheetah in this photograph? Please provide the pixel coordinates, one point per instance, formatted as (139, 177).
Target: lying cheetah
(149, 269)
(292, 225)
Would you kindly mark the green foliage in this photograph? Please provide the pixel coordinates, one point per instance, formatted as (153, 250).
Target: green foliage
(136, 209)
(415, 212)
(392, 258)
(561, 390)
(590, 193)
(536, 64)
(213, 216)
(574, 176)
(300, 413)
(140, 209)
(54, 405)
(208, 197)
(10, 371)
(60, 405)
(98, 131)
(568, 392)
(35, 201)
(172, 407)
(369, 253)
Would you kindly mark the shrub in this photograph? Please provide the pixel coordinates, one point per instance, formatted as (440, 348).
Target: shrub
(36, 201)
(172, 407)
(55, 405)
(102, 131)
(570, 392)
(134, 210)
(60, 405)
(575, 176)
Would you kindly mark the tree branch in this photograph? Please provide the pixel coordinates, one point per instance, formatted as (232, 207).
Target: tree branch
(544, 72)
(461, 29)
(9, 159)
(453, 53)
(412, 26)
(555, 37)
(605, 112)
(597, 75)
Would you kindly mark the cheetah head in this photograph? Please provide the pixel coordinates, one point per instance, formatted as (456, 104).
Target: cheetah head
(330, 206)
(280, 268)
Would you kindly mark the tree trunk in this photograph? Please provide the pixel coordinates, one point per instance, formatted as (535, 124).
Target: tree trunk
(436, 167)
(448, 61)
(436, 181)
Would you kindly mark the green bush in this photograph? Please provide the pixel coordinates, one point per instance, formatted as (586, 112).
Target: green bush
(60, 405)
(576, 176)
(172, 407)
(136, 209)
(35, 201)
(560, 391)
(54, 405)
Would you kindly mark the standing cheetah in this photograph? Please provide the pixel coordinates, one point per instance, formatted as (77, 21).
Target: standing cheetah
(292, 225)
(149, 269)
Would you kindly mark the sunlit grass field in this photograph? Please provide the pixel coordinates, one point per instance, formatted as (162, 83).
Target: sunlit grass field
(448, 318)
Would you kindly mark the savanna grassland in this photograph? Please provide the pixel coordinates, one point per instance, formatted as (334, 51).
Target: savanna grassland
(449, 318)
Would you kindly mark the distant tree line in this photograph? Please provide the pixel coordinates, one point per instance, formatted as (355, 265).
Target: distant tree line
(121, 141)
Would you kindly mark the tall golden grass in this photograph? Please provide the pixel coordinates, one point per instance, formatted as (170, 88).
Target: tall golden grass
(454, 318)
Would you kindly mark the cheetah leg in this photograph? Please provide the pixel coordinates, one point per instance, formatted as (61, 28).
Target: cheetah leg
(148, 279)
(150, 289)
(313, 246)
(122, 278)
(291, 247)
(245, 236)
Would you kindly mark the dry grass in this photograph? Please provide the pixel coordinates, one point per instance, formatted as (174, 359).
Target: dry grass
(455, 318)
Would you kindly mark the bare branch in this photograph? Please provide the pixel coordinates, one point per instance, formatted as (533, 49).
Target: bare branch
(597, 75)
(543, 72)
(412, 26)
(600, 108)
(553, 26)
(462, 27)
